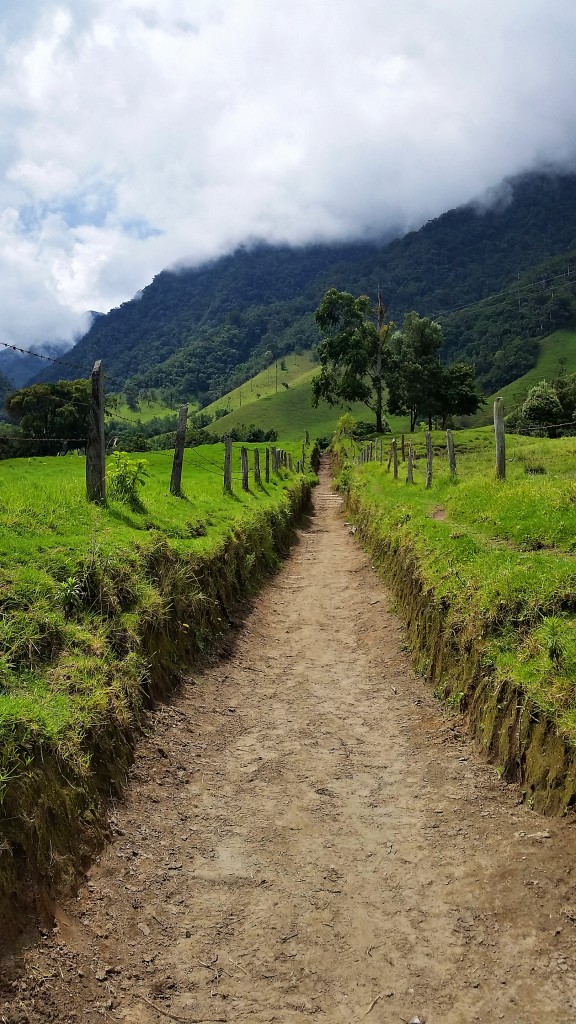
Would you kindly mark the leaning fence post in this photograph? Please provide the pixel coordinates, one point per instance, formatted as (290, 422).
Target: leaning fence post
(176, 477)
(244, 466)
(390, 459)
(500, 439)
(451, 453)
(428, 459)
(410, 467)
(96, 442)
(257, 479)
(395, 458)
(228, 465)
(267, 465)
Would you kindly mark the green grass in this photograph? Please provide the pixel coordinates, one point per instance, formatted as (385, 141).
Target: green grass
(498, 556)
(80, 585)
(146, 411)
(288, 411)
(299, 368)
(557, 355)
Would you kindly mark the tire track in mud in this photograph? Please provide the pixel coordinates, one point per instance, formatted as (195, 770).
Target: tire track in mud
(307, 835)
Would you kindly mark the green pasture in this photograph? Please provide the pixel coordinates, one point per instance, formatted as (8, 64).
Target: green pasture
(557, 356)
(290, 410)
(500, 555)
(299, 367)
(80, 583)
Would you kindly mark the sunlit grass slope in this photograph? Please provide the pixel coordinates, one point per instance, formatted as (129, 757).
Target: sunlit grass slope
(289, 411)
(557, 356)
(298, 368)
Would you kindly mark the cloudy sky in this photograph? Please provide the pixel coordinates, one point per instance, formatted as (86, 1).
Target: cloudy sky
(138, 133)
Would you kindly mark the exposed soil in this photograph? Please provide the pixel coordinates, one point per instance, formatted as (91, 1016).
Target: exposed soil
(308, 835)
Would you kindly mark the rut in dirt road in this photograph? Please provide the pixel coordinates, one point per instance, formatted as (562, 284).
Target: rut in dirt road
(307, 835)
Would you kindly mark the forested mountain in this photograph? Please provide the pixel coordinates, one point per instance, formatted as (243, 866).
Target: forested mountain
(201, 331)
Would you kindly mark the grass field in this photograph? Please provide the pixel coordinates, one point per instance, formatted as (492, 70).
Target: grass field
(557, 355)
(498, 556)
(146, 411)
(299, 368)
(73, 576)
(290, 410)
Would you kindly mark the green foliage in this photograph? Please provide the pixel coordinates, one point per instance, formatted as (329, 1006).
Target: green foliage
(51, 410)
(551, 631)
(414, 372)
(542, 405)
(124, 477)
(352, 352)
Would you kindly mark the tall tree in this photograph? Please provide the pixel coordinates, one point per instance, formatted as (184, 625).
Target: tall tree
(52, 410)
(414, 372)
(457, 393)
(352, 352)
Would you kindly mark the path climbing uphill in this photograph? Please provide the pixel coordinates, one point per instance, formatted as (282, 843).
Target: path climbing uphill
(308, 835)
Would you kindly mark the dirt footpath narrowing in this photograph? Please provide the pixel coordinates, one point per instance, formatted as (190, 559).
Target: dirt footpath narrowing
(306, 835)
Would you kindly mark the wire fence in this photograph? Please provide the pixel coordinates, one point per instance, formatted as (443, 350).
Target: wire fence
(99, 441)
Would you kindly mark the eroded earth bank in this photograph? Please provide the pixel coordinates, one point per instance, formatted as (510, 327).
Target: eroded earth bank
(308, 835)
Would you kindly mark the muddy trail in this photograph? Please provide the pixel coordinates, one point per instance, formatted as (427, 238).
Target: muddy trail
(308, 835)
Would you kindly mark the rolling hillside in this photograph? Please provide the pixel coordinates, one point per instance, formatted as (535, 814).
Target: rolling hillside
(557, 355)
(289, 410)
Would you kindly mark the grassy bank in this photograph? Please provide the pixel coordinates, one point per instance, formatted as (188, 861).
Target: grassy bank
(485, 577)
(100, 611)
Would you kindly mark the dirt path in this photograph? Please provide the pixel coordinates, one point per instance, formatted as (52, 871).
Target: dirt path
(307, 835)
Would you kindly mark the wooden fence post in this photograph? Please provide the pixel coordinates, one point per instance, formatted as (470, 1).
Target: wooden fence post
(290, 464)
(176, 477)
(410, 467)
(500, 439)
(96, 442)
(274, 462)
(303, 459)
(451, 453)
(395, 458)
(228, 465)
(428, 459)
(390, 457)
(403, 449)
(257, 479)
(244, 465)
(267, 465)
(307, 439)
(298, 470)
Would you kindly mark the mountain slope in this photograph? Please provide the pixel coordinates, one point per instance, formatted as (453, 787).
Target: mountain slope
(557, 356)
(205, 330)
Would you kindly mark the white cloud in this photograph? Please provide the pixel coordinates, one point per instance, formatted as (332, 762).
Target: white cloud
(136, 134)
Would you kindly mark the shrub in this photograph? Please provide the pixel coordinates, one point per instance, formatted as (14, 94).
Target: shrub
(125, 475)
